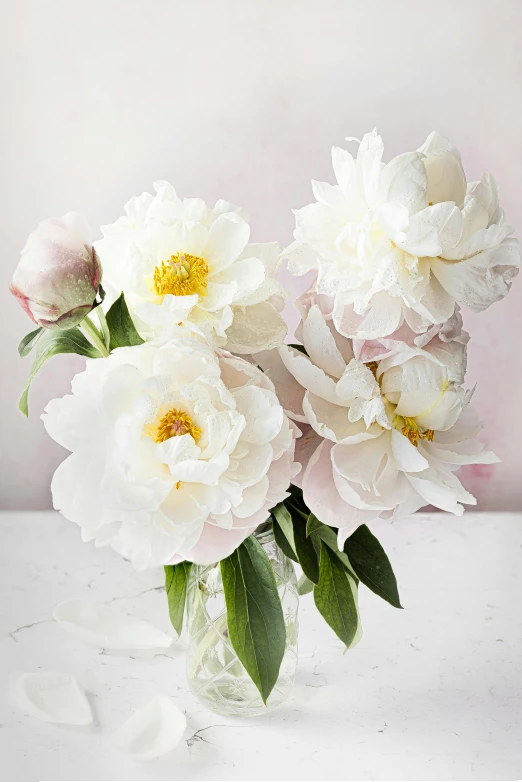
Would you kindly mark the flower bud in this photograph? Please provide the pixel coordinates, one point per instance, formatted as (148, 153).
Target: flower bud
(58, 276)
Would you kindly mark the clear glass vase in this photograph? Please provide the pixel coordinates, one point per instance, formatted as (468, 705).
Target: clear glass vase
(215, 675)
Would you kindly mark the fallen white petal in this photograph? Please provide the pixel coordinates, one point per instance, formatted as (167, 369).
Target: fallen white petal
(151, 731)
(52, 697)
(108, 628)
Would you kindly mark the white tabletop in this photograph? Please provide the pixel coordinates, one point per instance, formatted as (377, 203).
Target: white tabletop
(433, 692)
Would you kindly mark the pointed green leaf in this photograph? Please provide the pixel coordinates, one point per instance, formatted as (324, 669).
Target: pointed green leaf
(307, 550)
(371, 564)
(176, 579)
(51, 344)
(256, 624)
(29, 341)
(284, 531)
(304, 585)
(335, 598)
(316, 529)
(122, 329)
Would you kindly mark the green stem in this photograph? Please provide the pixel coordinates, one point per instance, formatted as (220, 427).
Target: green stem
(104, 326)
(92, 333)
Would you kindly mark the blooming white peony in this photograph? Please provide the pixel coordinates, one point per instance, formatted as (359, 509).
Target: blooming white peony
(403, 241)
(178, 261)
(178, 452)
(384, 432)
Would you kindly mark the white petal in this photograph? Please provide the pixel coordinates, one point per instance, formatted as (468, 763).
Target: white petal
(259, 327)
(434, 230)
(307, 374)
(320, 344)
(406, 455)
(248, 274)
(262, 411)
(300, 258)
(52, 697)
(106, 627)
(290, 393)
(482, 279)
(226, 241)
(152, 731)
(404, 182)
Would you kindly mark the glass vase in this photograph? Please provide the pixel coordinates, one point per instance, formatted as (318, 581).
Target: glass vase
(215, 675)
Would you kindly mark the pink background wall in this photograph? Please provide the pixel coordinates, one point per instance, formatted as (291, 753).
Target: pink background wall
(243, 100)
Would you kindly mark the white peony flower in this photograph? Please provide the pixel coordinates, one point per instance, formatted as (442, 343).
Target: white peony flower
(178, 261)
(178, 452)
(403, 241)
(388, 429)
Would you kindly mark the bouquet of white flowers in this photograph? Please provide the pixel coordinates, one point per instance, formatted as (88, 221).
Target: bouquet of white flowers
(202, 443)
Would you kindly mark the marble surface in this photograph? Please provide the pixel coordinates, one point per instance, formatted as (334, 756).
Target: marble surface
(433, 692)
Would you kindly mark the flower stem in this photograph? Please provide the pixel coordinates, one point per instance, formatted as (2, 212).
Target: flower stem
(93, 335)
(104, 326)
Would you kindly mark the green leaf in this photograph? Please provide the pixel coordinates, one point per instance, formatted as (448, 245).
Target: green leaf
(51, 344)
(335, 597)
(304, 585)
(307, 554)
(122, 329)
(316, 529)
(256, 624)
(176, 579)
(284, 531)
(29, 341)
(371, 564)
(300, 348)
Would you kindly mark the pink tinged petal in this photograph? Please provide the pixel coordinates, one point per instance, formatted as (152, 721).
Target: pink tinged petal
(322, 497)
(216, 543)
(307, 374)
(472, 453)
(483, 279)
(384, 316)
(406, 455)
(331, 421)
(320, 344)
(359, 463)
(290, 392)
(436, 305)
(227, 238)
(305, 446)
(440, 490)
(253, 499)
(404, 181)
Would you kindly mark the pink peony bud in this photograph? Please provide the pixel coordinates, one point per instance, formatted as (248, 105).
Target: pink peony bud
(58, 276)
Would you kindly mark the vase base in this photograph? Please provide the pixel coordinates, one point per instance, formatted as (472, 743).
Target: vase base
(239, 697)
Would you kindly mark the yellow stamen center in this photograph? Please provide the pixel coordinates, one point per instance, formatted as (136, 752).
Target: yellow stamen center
(181, 275)
(411, 430)
(175, 423)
